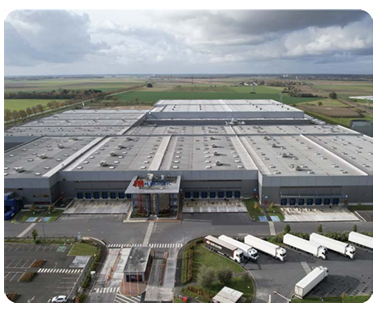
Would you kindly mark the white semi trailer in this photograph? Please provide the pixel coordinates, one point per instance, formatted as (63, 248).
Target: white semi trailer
(334, 245)
(224, 248)
(315, 249)
(310, 281)
(361, 239)
(266, 247)
(248, 251)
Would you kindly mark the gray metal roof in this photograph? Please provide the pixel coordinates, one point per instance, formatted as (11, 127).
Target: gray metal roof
(41, 156)
(137, 260)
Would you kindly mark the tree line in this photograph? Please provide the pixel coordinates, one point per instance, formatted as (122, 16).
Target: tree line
(59, 94)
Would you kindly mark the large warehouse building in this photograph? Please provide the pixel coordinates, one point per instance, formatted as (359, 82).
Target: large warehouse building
(189, 149)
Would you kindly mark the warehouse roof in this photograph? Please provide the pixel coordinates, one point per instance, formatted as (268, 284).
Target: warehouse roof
(39, 157)
(220, 105)
(295, 155)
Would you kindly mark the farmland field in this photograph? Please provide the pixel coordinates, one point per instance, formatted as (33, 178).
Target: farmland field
(22, 104)
(158, 92)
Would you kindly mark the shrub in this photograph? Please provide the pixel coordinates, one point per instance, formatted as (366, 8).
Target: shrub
(27, 277)
(13, 296)
(38, 263)
(205, 276)
(287, 229)
(320, 229)
(355, 228)
(224, 276)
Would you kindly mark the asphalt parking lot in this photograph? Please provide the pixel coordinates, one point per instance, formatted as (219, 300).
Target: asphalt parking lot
(353, 277)
(56, 277)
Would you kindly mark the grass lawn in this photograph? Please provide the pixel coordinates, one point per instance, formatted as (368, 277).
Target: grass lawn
(253, 213)
(325, 103)
(348, 299)
(276, 211)
(353, 208)
(22, 104)
(205, 257)
(82, 249)
(22, 216)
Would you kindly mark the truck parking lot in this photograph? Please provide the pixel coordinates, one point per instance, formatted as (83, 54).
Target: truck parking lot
(352, 277)
(56, 277)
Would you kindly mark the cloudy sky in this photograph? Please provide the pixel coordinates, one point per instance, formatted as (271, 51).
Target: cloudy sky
(128, 42)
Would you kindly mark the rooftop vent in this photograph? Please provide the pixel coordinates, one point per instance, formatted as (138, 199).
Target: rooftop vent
(60, 146)
(175, 167)
(19, 169)
(218, 163)
(113, 154)
(103, 163)
(311, 172)
(42, 156)
(298, 168)
(216, 154)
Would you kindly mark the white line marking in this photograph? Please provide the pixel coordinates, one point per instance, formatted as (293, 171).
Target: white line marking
(306, 267)
(272, 230)
(148, 233)
(26, 230)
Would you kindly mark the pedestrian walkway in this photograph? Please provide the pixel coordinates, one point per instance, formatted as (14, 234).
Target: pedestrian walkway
(106, 290)
(124, 299)
(67, 271)
(153, 245)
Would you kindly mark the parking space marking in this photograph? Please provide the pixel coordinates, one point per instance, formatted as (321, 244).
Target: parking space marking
(14, 276)
(10, 263)
(6, 275)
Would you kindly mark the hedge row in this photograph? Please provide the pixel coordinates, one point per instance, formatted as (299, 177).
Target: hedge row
(188, 261)
(339, 236)
(200, 291)
(38, 263)
(93, 267)
(27, 277)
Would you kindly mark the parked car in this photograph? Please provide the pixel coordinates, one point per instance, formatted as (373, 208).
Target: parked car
(59, 299)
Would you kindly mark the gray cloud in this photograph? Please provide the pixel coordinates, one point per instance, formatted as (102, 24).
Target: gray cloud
(191, 41)
(47, 36)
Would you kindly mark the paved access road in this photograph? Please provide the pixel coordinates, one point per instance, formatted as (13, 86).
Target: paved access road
(112, 229)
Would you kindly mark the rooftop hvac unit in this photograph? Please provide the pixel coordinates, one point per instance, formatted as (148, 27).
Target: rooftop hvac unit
(113, 154)
(103, 163)
(218, 163)
(214, 146)
(216, 154)
(120, 146)
(19, 169)
(60, 146)
(42, 156)
(298, 168)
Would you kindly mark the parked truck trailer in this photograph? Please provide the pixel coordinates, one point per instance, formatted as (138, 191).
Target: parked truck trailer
(334, 245)
(310, 281)
(266, 247)
(224, 248)
(315, 249)
(248, 251)
(361, 239)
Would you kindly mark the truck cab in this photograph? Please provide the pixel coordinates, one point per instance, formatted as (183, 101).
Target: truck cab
(281, 254)
(238, 255)
(253, 254)
(351, 251)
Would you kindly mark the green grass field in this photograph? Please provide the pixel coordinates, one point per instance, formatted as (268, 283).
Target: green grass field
(203, 256)
(82, 249)
(206, 92)
(22, 104)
